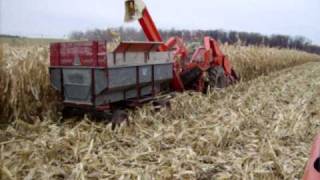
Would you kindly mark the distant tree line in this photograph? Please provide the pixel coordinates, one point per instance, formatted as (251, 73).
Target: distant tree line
(230, 37)
(8, 36)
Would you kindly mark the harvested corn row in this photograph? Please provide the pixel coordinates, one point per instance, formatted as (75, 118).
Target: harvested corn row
(256, 130)
(259, 129)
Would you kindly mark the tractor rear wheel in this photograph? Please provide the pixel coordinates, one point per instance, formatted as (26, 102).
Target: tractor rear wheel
(217, 77)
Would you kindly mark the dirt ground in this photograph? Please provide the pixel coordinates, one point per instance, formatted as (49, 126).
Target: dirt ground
(261, 129)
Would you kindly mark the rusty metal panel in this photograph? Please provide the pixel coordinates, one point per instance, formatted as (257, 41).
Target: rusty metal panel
(122, 77)
(132, 93)
(138, 58)
(110, 97)
(87, 53)
(137, 46)
(145, 74)
(55, 78)
(146, 90)
(121, 95)
(163, 72)
(126, 59)
(101, 80)
(160, 57)
(77, 85)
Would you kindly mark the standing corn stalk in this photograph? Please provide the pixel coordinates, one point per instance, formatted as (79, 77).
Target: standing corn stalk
(25, 89)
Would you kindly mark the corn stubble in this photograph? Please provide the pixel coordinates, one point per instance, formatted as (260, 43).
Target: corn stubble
(259, 129)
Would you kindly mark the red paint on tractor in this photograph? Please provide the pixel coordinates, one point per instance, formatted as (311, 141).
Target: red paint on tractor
(211, 57)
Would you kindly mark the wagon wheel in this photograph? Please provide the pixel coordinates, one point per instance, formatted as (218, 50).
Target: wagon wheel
(118, 117)
(217, 77)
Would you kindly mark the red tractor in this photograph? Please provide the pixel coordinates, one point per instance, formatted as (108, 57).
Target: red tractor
(90, 78)
(207, 66)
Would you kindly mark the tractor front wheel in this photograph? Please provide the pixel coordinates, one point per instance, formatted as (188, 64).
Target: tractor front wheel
(217, 77)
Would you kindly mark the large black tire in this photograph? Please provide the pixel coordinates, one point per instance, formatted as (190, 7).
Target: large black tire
(118, 117)
(217, 77)
(190, 77)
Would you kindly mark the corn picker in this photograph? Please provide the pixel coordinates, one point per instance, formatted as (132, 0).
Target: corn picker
(92, 79)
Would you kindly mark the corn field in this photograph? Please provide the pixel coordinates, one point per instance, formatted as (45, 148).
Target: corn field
(25, 87)
(251, 62)
(261, 128)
